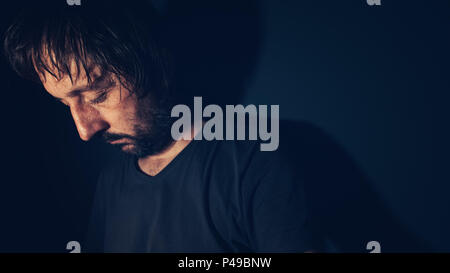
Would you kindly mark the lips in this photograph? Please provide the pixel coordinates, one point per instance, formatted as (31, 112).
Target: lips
(119, 141)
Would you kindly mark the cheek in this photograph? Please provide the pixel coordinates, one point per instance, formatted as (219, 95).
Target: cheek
(122, 116)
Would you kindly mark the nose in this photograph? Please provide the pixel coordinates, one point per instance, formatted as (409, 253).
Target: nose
(87, 120)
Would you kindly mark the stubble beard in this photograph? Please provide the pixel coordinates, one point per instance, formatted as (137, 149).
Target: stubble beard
(151, 129)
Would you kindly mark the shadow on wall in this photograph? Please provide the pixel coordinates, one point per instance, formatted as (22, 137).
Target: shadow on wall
(343, 208)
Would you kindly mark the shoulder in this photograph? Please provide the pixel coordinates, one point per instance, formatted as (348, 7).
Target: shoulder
(239, 152)
(244, 158)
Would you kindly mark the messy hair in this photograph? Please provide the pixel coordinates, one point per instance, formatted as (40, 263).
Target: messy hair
(121, 38)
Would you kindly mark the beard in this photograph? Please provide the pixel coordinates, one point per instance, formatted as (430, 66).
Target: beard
(151, 130)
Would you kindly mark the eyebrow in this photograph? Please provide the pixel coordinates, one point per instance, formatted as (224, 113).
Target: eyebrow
(99, 82)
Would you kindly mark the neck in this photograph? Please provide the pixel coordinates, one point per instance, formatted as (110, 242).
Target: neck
(154, 164)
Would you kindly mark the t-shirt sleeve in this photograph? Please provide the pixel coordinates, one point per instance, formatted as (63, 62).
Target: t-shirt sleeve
(275, 204)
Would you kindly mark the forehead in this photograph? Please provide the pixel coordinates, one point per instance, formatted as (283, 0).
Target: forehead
(58, 84)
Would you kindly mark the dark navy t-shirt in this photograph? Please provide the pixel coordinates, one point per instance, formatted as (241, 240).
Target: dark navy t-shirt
(215, 196)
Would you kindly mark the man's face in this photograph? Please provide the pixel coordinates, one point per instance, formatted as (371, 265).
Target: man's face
(106, 108)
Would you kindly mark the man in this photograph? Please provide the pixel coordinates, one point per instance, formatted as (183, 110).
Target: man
(110, 64)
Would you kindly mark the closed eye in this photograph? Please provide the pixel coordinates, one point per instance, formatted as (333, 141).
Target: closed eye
(100, 98)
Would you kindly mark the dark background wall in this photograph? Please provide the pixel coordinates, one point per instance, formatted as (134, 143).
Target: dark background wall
(367, 83)
(377, 80)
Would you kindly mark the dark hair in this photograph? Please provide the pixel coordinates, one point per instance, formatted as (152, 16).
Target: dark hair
(119, 37)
